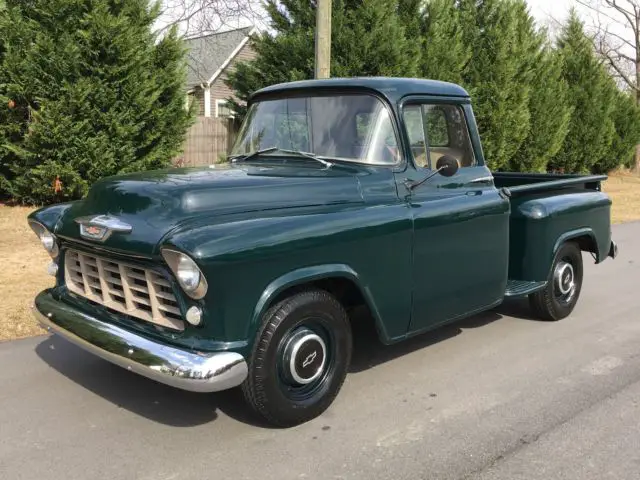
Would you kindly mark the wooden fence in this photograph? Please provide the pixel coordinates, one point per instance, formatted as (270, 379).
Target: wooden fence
(207, 141)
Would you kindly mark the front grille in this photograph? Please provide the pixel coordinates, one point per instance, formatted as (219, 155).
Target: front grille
(123, 288)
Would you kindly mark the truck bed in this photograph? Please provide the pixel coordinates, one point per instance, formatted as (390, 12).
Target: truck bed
(547, 210)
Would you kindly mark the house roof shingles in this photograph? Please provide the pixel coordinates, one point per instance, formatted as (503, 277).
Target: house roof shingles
(208, 53)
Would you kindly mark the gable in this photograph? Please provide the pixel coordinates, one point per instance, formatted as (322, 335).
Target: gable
(209, 54)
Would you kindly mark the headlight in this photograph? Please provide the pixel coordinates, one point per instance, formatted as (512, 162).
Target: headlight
(187, 272)
(47, 238)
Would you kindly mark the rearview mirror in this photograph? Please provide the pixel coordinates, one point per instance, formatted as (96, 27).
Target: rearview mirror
(447, 166)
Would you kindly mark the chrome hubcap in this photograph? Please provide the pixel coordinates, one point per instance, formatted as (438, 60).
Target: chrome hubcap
(564, 280)
(304, 357)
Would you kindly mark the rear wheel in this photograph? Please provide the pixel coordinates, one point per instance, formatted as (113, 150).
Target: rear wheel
(557, 300)
(300, 358)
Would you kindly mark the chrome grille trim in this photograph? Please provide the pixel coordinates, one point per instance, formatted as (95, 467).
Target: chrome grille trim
(123, 287)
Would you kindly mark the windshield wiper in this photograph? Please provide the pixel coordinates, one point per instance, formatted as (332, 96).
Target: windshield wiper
(313, 156)
(255, 153)
(310, 155)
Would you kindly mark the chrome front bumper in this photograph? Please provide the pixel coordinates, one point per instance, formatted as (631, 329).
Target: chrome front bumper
(196, 372)
(613, 249)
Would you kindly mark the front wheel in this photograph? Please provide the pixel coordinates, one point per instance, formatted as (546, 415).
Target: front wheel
(300, 359)
(557, 300)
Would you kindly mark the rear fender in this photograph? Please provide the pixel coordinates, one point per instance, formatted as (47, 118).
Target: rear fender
(581, 233)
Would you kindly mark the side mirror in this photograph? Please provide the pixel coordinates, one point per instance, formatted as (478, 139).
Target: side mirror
(447, 166)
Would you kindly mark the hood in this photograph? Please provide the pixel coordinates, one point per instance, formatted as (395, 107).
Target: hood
(157, 202)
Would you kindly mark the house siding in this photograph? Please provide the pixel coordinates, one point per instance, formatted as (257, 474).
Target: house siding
(219, 90)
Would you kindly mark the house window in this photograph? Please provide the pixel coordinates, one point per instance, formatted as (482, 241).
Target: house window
(223, 109)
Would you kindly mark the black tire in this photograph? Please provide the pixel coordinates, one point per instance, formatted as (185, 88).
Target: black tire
(553, 303)
(282, 341)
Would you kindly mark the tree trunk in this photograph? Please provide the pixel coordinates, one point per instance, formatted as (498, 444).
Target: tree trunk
(636, 163)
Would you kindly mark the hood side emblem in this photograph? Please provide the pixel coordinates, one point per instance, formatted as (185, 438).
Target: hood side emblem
(100, 227)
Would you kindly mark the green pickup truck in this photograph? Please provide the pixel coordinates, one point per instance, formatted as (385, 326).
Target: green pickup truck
(341, 193)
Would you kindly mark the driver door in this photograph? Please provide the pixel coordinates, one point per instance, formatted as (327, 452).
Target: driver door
(461, 223)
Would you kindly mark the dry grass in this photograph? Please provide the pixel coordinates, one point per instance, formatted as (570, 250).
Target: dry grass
(624, 189)
(23, 273)
(24, 260)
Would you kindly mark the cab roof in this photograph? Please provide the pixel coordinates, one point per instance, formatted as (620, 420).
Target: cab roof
(393, 88)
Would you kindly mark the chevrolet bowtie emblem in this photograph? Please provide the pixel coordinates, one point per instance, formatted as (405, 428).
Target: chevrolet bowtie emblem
(100, 227)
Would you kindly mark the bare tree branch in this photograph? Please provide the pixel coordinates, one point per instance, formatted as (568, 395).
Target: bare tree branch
(201, 17)
(627, 79)
(622, 10)
(620, 38)
(621, 48)
(595, 9)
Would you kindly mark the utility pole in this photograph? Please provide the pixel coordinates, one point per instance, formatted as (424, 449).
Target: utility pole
(323, 38)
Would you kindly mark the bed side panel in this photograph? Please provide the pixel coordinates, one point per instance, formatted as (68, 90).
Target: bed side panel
(540, 222)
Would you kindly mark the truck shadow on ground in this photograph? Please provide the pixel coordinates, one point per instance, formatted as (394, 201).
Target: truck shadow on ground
(178, 408)
(137, 394)
(369, 352)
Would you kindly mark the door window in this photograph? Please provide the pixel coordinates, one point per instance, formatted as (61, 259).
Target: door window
(435, 130)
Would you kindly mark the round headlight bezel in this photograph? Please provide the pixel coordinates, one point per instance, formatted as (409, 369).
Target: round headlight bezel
(47, 239)
(181, 264)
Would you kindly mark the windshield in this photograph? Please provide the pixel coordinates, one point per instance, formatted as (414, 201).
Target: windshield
(354, 128)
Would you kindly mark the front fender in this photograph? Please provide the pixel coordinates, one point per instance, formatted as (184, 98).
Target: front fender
(249, 260)
(307, 275)
(50, 215)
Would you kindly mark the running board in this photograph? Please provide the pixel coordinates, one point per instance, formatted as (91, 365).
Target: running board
(517, 288)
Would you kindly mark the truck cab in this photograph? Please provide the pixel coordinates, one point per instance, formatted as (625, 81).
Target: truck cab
(339, 193)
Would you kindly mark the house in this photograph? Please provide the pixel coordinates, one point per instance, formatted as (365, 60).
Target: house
(210, 58)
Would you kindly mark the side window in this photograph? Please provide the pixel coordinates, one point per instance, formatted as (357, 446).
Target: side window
(412, 115)
(437, 130)
(445, 128)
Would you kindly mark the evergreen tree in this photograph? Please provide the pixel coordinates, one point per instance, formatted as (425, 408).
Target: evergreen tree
(591, 96)
(368, 39)
(549, 112)
(446, 50)
(410, 16)
(626, 121)
(500, 72)
(5, 104)
(492, 48)
(93, 93)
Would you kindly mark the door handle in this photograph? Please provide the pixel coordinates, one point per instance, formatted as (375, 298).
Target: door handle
(487, 179)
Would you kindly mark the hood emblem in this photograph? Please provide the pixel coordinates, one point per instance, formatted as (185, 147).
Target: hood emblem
(100, 227)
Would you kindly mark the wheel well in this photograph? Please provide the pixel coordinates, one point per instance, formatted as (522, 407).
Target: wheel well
(586, 243)
(344, 290)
